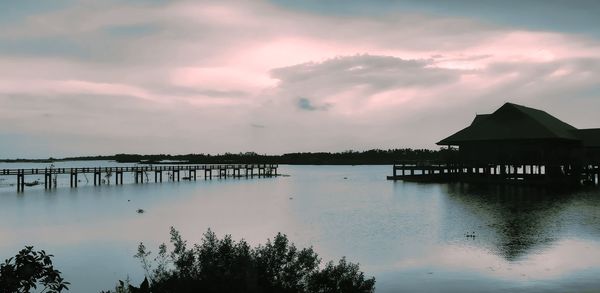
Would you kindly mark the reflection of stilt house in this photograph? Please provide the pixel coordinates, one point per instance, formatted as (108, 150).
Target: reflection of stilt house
(518, 143)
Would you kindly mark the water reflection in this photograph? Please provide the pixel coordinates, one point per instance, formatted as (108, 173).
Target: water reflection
(515, 221)
(410, 236)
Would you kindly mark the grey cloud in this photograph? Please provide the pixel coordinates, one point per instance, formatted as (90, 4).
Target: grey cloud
(578, 16)
(42, 47)
(186, 91)
(306, 104)
(377, 71)
(89, 124)
(373, 73)
(567, 88)
(462, 57)
(140, 44)
(132, 33)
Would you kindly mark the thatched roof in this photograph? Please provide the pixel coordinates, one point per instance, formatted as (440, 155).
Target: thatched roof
(513, 122)
(589, 137)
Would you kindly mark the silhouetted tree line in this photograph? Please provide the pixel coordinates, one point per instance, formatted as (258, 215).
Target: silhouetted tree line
(321, 158)
(373, 157)
(214, 265)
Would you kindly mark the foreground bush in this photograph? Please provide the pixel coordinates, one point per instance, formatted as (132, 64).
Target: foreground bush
(28, 270)
(223, 265)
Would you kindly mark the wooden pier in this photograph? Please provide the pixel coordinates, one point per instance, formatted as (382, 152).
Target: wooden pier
(139, 173)
(522, 174)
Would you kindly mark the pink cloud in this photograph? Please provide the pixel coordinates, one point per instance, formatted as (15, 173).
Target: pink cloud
(214, 58)
(220, 78)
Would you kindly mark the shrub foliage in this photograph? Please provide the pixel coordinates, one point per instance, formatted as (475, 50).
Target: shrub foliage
(28, 270)
(224, 265)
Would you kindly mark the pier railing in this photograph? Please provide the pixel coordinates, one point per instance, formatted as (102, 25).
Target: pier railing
(34, 171)
(223, 170)
(589, 174)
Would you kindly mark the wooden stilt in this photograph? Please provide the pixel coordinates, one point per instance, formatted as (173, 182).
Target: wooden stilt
(263, 170)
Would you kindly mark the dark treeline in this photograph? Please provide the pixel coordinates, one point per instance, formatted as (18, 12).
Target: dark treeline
(320, 158)
(375, 157)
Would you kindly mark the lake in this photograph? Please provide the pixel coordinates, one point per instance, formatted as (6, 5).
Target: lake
(412, 237)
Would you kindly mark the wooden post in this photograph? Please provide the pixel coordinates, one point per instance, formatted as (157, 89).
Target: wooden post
(18, 181)
(47, 180)
(22, 182)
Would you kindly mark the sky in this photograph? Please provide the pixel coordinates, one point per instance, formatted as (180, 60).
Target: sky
(82, 77)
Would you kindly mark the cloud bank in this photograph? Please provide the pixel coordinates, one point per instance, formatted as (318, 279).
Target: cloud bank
(88, 77)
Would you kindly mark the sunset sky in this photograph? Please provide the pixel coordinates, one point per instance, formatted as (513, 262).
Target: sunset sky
(105, 77)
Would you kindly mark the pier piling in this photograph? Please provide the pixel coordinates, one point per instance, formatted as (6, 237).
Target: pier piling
(224, 171)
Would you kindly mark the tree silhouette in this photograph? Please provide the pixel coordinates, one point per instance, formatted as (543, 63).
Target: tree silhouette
(28, 270)
(224, 265)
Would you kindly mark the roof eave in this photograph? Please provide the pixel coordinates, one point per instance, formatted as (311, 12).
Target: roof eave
(444, 142)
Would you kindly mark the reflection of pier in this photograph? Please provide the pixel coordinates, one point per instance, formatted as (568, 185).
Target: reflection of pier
(516, 221)
(141, 172)
(530, 174)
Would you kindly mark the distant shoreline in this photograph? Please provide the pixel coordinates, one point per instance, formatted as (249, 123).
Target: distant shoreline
(370, 157)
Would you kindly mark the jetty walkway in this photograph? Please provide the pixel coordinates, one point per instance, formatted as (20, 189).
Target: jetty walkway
(139, 172)
(497, 173)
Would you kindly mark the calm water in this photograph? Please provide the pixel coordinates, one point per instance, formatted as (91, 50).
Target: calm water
(410, 236)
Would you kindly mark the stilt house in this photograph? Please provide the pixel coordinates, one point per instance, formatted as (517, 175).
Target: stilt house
(516, 135)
